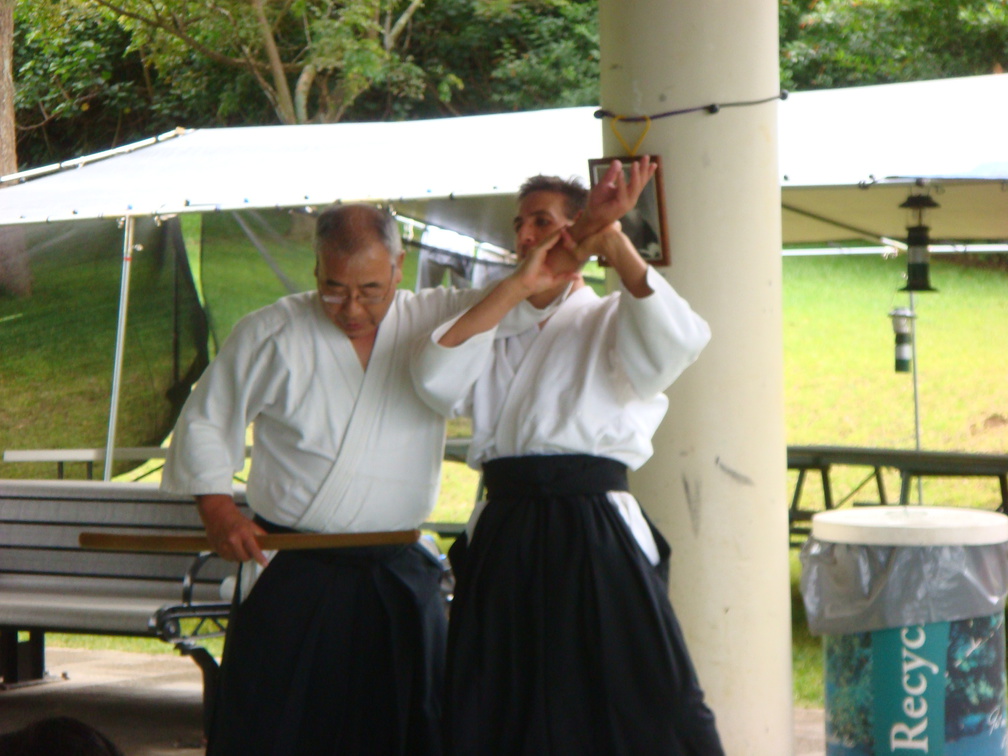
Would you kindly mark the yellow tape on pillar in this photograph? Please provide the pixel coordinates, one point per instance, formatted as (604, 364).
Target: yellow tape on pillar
(631, 151)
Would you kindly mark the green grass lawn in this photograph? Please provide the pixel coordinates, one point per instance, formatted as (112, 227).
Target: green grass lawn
(840, 385)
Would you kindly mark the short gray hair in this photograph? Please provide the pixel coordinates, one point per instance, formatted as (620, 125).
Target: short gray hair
(347, 228)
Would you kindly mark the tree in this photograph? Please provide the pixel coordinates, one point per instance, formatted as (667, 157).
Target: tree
(312, 59)
(840, 43)
(15, 273)
(92, 74)
(89, 79)
(513, 55)
(8, 154)
(78, 84)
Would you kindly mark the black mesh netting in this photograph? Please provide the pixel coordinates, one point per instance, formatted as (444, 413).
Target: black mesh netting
(250, 259)
(59, 301)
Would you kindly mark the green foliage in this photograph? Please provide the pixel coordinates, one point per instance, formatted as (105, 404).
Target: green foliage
(91, 74)
(84, 83)
(76, 81)
(501, 55)
(553, 60)
(840, 43)
(311, 60)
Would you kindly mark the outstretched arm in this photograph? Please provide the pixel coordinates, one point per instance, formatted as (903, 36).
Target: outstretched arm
(532, 276)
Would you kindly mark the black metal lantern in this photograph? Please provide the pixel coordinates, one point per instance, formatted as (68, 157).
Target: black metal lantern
(918, 257)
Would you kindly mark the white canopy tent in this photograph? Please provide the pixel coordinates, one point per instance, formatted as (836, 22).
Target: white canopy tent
(848, 159)
(462, 173)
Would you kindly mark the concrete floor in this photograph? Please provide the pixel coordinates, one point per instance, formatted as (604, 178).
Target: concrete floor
(151, 705)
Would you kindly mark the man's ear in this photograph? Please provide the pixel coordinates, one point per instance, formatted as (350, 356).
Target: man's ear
(400, 258)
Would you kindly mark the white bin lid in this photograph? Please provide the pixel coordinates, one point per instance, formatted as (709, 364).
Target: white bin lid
(900, 525)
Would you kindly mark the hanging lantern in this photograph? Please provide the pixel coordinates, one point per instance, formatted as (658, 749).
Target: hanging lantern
(902, 326)
(918, 257)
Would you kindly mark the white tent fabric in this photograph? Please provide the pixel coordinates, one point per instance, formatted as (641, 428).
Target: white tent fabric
(851, 156)
(848, 158)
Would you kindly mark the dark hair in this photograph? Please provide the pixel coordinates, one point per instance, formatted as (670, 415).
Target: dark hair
(65, 736)
(574, 192)
(349, 227)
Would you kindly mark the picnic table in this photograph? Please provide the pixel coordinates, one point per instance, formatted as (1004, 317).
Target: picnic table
(910, 463)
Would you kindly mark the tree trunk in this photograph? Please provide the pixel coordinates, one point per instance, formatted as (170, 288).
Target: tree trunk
(284, 101)
(8, 137)
(15, 273)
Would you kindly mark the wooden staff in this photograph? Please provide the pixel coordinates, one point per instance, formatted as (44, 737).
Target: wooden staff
(267, 542)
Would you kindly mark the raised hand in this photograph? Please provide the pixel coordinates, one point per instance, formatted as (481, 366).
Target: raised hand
(553, 262)
(609, 243)
(612, 197)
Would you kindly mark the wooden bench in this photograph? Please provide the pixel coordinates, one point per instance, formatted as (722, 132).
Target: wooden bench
(48, 583)
(88, 457)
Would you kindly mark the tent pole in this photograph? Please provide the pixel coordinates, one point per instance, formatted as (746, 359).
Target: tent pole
(120, 344)
(916, 395)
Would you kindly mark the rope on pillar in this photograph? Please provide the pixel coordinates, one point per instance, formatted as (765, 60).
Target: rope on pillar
(712, 109)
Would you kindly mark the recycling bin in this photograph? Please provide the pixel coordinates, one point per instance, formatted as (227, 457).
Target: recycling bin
(910, 604)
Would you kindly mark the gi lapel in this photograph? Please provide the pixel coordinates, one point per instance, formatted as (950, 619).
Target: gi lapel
(526, 374)
(365, 420)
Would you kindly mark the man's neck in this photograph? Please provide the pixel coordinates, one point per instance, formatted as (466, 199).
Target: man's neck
(543, 299)
(364, 346)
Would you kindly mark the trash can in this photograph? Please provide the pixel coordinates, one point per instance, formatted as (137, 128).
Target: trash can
(910, 603)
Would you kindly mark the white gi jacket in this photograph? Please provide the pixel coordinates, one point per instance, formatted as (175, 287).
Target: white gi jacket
(335, 448)
(590, 381)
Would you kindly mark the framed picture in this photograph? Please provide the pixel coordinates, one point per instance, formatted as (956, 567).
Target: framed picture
(644, 224)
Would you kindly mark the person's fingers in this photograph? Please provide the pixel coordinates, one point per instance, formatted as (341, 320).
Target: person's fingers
(566, 241)
(613, 173)
(635, 173)
(238, 543)
(538, 253)
(620, 180)
(253, 551)
(640, 173)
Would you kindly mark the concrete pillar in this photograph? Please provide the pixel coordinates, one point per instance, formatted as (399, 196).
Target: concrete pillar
(717, 483)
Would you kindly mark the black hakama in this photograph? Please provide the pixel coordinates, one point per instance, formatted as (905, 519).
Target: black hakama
(562, 638)
(336, 651)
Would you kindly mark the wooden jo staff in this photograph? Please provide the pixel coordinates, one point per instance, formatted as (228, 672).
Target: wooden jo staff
(267, 542)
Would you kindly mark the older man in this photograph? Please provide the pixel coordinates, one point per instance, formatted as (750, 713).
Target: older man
(337, 650)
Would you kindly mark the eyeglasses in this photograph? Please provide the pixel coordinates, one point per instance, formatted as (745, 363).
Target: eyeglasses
(366, 295)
